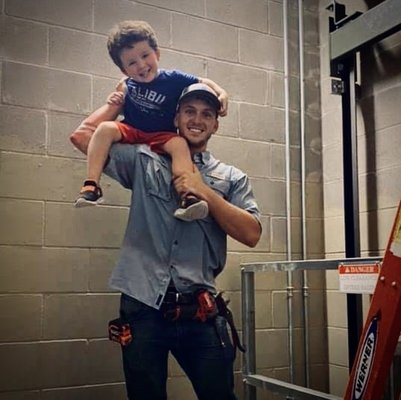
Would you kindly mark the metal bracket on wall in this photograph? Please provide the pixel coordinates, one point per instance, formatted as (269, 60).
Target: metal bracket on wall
(339, 19)
(337, 86)
(350, 34)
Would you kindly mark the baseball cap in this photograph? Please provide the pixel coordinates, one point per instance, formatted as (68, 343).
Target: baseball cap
(200, 91)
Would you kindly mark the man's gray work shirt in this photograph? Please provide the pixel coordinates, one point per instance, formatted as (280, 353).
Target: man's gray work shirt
(157, 247)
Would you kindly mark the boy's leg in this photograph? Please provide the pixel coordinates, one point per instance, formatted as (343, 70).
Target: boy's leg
(81, 136)
(178, 149)
(191, 208)
(104, 136)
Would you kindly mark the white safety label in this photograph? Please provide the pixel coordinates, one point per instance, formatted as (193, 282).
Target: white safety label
(358, 278)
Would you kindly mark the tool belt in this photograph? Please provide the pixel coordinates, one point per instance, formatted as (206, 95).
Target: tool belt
(201, 306)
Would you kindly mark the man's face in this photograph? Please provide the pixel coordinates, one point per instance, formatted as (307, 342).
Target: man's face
(196, 121)
(140, 62)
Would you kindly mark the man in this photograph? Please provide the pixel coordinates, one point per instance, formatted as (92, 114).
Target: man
(167, 268)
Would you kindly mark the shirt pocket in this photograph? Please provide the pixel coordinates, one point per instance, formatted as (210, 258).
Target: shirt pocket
(218, 183)
(221, 186)
(157, 179)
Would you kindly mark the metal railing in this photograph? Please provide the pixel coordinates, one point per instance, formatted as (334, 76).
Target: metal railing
(251, 379)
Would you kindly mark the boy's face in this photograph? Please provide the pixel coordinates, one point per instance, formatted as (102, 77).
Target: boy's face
(140, 62)
(196, 121)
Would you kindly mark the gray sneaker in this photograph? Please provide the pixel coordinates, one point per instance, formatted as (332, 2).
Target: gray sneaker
(191, 209)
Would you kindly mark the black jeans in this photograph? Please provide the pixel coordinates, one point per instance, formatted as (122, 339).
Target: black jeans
(203, 350)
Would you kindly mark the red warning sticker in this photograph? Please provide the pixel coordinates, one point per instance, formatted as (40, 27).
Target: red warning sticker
(358, 278)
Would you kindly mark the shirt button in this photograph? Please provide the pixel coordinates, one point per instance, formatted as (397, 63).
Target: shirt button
(175, 242)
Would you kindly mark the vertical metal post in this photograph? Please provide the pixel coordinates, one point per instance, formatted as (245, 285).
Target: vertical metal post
(305, 284)
(290, 287)
(351, 198)
(248, 330)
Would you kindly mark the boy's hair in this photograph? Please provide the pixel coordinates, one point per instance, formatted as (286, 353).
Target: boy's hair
(127, 33)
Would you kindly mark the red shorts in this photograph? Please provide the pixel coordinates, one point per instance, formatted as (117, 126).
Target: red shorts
(155, 140)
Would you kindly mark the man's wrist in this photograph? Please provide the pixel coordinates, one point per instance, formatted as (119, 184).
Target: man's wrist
(206, 192)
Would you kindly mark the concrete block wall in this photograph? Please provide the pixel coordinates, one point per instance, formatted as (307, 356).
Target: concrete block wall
(55, 260)
(378, 124)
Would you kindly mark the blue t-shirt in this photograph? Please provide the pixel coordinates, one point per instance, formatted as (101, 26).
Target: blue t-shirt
(151, 106)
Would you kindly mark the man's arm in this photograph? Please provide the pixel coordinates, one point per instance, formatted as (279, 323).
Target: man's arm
(221, 94)
(109, 112)
(239, 224)
(81, 136)
(236, 222)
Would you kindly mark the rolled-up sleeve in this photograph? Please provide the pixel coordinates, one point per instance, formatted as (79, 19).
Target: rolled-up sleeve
(241, 194)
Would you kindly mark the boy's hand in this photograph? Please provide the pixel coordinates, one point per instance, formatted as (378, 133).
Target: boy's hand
(223, 98)
(115, 99)
(221, 95)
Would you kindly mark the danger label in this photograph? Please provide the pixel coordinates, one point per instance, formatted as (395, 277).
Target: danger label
(358, 278)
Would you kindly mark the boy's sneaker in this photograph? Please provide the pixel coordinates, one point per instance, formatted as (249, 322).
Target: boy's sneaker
(191, 209)
(90, 195)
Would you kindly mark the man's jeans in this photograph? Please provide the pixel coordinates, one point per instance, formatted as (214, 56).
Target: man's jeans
(203, 350)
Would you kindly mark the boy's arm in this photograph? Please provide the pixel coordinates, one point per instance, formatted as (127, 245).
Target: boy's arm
(221, 94)
(122, 85)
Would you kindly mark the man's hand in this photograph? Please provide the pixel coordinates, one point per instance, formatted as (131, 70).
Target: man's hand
(191, 183)
(236, 222)
(115, 99)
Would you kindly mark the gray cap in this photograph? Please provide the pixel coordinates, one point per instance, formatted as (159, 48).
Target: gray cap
(200, 91)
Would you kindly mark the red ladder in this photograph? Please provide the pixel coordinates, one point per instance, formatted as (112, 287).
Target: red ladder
(382, 327)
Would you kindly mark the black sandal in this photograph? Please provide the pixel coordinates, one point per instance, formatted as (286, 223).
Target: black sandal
(90, 195)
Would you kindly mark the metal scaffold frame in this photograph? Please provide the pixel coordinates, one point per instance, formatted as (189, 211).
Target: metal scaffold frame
(250, 378)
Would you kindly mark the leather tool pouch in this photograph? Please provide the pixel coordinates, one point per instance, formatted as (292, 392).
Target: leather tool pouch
(120, 332)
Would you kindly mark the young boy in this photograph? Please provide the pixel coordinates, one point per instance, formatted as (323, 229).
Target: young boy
(148, 98)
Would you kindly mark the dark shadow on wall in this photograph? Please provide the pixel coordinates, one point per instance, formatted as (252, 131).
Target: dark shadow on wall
(367, 108)
(379, 67)
(373, 3)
